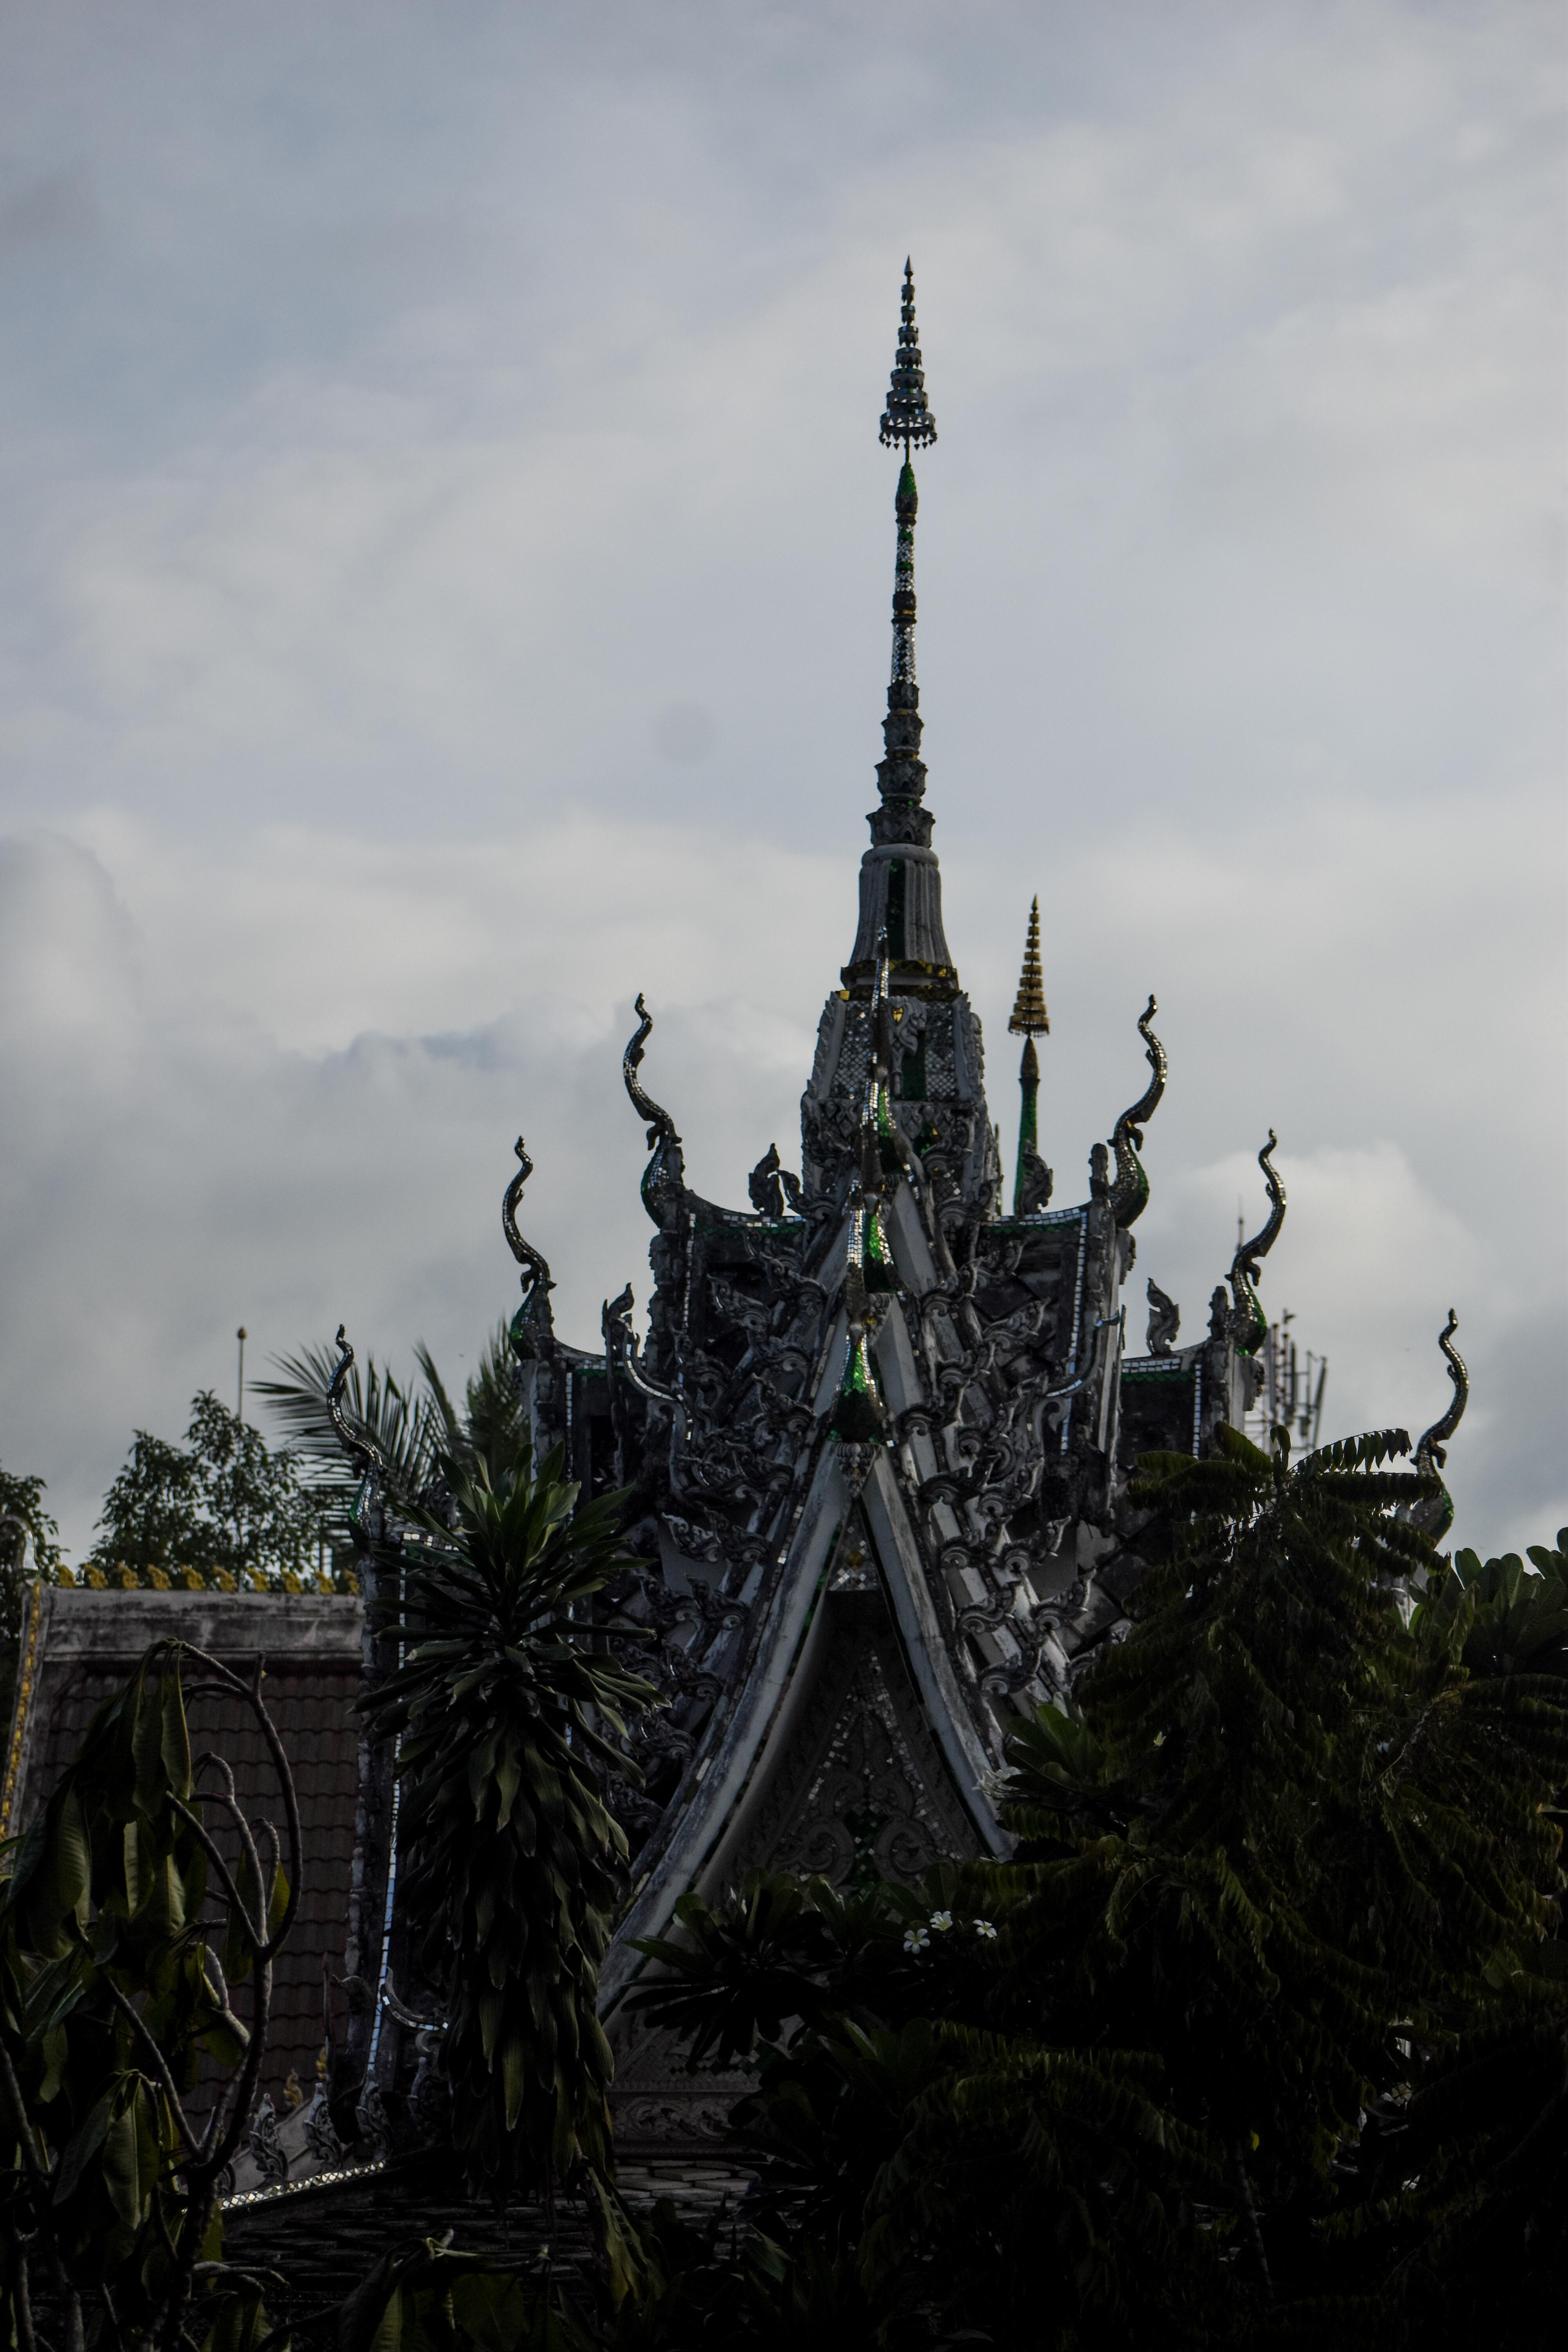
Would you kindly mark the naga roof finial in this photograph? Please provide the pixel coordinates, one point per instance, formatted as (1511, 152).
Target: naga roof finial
(1129, 1192)
(1030, 1018)
(906, 417)
(1431, 1452)
(349, 1430)
(531, 1321)
(1434, 1515)
(1250, 1324)
(664, 1177)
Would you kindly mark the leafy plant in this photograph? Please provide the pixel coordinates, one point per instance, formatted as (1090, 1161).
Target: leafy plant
(493, 1422)
(125, 1935)
(222, 1510)
(1506, 1618)
(783, 1955)
(507, 1710)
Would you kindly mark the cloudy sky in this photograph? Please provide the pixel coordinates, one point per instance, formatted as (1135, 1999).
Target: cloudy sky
(445, 591)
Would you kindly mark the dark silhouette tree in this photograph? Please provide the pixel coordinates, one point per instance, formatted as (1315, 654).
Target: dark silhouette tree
(508, 1710)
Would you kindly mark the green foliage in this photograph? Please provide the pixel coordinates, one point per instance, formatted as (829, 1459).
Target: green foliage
(906, 2157)
(221, 1511)
(22, 1499)
(1331, 1860)
(111, 1998)
(493, 1422)
(787, 1953)
(1328, 1832)
(1506, 1618)
(29, 1551)
(507, 1708)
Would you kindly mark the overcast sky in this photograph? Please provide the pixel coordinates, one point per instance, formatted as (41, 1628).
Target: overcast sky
(445, 589)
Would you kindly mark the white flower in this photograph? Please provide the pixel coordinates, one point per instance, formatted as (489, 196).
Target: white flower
(984, 1927)
(915, 1939)
(942, 1921)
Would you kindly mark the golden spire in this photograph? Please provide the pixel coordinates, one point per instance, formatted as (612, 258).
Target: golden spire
(1030, 1018)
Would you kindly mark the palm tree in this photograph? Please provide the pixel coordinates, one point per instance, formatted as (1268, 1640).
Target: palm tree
(504, 1713)
(508, 1710)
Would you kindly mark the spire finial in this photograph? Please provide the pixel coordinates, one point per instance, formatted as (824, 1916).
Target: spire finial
(1032, 1182)
(906, 417)
(901, 776)
(1030, 1018)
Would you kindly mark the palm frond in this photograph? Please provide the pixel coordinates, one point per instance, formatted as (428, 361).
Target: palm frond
(497, 1416)
(405, 1429)
(456, 1436)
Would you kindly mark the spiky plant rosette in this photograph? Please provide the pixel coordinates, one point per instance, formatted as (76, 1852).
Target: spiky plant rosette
(511, 1710)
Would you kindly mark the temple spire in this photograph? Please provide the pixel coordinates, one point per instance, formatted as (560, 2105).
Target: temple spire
(901, 776)
(900, 887)
(1031, 1179)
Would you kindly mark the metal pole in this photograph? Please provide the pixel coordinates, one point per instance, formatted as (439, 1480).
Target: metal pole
(239, 1408)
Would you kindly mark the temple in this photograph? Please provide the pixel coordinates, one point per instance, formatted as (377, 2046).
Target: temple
(879, 1435)
(878, 1447)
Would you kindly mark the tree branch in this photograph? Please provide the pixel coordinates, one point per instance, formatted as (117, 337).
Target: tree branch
(139, 2026)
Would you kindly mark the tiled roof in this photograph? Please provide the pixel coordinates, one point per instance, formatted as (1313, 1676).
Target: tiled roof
(87, 1645)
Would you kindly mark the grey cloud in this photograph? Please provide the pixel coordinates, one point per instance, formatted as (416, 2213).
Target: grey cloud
(420, 406)
(52, 210)
(683, 732)
(1519, 1484)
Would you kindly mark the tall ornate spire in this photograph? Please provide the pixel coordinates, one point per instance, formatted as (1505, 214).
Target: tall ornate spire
(1032, 1179)
(900, 887)
(901, 776)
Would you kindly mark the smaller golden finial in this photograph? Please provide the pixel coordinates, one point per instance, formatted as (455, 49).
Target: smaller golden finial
(1030, 1018)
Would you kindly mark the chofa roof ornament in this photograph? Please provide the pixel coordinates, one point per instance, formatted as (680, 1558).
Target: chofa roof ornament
(532, 1320)
(665, 1175)
(1130, 1192)
(355, 1437)
(1431, 1452)
(1248, 1323)
(1434, 1515)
